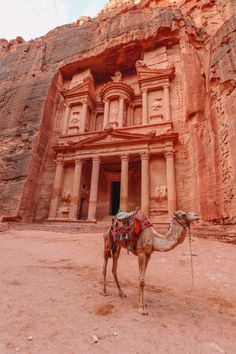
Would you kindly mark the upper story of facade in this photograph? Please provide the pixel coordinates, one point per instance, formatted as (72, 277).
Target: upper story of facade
(134, 99)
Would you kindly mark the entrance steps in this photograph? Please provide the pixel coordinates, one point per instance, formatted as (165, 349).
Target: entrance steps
(213, 232)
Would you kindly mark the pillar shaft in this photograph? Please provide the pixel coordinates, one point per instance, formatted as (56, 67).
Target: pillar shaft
(121, 112)
(171, 186)
(83, 117)
(124, 182)
(167, 111)
(56, 189)
(76, 189)
(145, 182)
(66, 120)
(106, 114)
(94, 189)
(145, 107)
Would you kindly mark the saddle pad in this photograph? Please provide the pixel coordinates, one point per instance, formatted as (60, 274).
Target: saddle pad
(123, 215)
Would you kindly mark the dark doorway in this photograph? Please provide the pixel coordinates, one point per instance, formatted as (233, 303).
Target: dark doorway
(115, 197)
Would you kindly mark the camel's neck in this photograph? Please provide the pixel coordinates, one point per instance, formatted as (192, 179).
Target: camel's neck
(175, 236)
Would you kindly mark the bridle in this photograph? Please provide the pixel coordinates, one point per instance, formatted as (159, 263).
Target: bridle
(185, 224)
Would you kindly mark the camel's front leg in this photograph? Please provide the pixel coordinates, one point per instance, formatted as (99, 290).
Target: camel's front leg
(114, 272)
(143, 262)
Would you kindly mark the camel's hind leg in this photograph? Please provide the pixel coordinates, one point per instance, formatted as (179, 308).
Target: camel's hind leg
(106, 257)
(143, 262)
(114, 271)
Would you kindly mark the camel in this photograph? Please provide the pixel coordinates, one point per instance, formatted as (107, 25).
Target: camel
(147, 241)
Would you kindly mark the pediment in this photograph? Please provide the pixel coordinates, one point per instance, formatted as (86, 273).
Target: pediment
(146, 73)
(112, 137)
(80, 89)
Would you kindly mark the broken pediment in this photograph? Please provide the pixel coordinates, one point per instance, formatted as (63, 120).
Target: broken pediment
(82, 88)
(144, 73)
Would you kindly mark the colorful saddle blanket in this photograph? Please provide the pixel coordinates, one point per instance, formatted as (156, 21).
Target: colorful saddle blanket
(123, 215)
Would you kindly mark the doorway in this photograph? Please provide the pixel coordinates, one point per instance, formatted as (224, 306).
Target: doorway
(115, 197)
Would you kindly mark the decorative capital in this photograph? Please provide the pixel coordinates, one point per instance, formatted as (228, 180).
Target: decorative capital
(59, 161)
(124, 157)
(169, 154)
(78, 161)
(144, 90)
(96, 158)
(145, 155)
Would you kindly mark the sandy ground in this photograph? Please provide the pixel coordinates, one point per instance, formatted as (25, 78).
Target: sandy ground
(51, 298)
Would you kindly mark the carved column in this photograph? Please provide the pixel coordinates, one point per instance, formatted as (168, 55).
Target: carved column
(66, 120)
(171, 186)
(121, 112)
(56, 188)
(106, 114)
(83, 117)
(167, 111)
(76, 189)
(145, 106)
(145, 182)
(94, 188)
(124, 182)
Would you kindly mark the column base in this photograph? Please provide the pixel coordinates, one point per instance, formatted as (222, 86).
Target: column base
(93, 221)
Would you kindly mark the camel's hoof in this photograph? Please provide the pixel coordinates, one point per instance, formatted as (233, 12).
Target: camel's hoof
(142, 311)
(122, 295)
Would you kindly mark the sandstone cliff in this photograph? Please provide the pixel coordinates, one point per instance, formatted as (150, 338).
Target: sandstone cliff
(200, 37)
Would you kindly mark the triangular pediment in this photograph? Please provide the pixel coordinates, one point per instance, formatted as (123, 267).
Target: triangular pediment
(80, 89)
(146, 73)
(112, 137)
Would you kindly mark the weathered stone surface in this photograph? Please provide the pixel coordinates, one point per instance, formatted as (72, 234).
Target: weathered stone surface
(200, 39)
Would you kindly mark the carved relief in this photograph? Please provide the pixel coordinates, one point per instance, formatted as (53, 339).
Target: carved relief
(117, 77)
(157, 104)
(160, 193)
(66, 196)
(75, 120)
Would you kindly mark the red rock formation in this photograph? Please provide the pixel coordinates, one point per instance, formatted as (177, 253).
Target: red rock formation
(199, 37)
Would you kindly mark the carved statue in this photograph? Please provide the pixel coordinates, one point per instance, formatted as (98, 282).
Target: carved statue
(157, 104)
(66, 196)
(75, 120)
(160, 193)
(117, 77)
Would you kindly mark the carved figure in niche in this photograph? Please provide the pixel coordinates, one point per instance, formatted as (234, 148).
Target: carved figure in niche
(75, 120)
(157, 104)
(114, 117)
(160, 193)
(66, 196)
(117, 77)
(84, 191)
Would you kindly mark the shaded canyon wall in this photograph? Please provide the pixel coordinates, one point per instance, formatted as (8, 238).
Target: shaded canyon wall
(199, 37)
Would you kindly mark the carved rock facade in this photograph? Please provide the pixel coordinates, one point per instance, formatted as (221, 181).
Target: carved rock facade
(113, 108)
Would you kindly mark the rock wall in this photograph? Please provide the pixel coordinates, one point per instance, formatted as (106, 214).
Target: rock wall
(200, 37)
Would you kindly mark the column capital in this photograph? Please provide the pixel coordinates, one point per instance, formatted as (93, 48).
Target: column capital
(145, 155)
(124, 157)
(59, 161)
(96, 158)
(169, 154)
(144, 90)
(66, 104)
(166, 86)
(78, 161)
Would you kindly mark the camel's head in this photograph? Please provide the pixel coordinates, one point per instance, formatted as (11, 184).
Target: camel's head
(185, 217)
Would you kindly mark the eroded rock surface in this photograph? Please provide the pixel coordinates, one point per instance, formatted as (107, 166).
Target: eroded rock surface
(199, 37)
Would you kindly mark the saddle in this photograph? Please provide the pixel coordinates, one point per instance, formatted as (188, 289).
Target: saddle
(127, 227)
